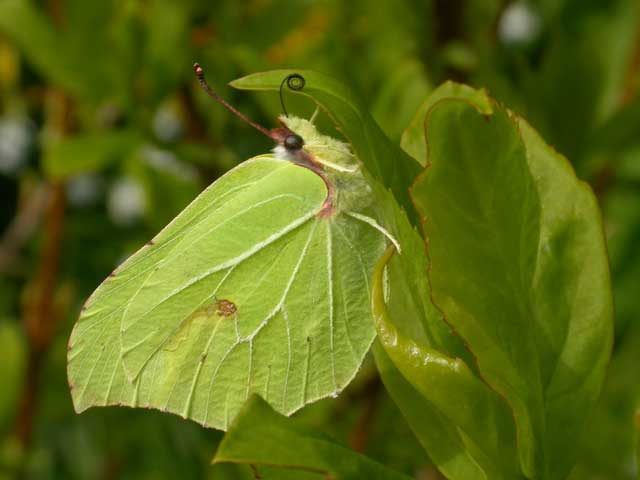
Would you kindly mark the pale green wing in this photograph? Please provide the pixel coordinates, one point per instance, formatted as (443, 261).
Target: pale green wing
(247, 290)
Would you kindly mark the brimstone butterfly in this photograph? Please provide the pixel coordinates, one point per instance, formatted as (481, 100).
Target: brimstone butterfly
(261, 285)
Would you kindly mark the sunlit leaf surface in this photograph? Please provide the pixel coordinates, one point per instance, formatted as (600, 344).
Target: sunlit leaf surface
(293, 447)
(519, 269)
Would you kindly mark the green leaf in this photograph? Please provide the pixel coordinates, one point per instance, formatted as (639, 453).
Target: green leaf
(13, 359)
(434, 431)
(637, 438)
(621, 131)
(169, 183)
(88, 152)
(32, 31)
(243, 471)
(571, 297)
(413, 138)
(413, 314)
(260, 436)
(385, 161)
(167, 55)
(408, 285)
(607, 448)
(476, 429)
(582, 72)
(519, 269)
(407, 296)
(396, 101)
(252, 288)
(59, 55)
(621, 207)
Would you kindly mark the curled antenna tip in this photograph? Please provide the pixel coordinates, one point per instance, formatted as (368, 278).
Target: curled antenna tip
(198, 69)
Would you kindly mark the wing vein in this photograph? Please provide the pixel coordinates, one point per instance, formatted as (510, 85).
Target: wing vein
(285, 315)
(233, 261)
(330, 300)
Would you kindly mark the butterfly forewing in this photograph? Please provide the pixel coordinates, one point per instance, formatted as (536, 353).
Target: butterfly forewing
(268, 213)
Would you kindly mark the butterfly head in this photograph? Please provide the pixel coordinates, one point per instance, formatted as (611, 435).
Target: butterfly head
(293, 142)
(300, 141)
(296, 139)
(293, 139)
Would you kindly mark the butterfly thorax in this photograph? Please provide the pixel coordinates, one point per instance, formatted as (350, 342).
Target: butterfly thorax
(334, 161)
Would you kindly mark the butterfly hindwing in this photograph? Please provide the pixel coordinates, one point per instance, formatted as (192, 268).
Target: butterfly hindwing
(247, 290)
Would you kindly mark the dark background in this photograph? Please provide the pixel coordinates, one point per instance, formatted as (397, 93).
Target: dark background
(104, 137)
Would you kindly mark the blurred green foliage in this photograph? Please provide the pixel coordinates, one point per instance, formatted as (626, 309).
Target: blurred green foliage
(99, 108)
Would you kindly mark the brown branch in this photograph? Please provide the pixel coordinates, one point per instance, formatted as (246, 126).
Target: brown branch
(370, 393)
(39, 316)
(192, 120)
(605, 178)
(56, 10)
(430, 473)
(632, 76)
(602, 181)
(254, 471)
(22, 227)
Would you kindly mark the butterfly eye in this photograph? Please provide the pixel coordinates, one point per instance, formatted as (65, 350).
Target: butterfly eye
(293, 142)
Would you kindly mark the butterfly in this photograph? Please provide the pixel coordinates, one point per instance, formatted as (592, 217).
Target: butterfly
(261, 285)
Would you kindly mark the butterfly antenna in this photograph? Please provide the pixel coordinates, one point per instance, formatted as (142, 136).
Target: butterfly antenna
(296, 82)
(205, 86)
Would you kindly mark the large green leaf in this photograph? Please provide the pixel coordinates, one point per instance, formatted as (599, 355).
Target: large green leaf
(519, 269)
(385, 161)
(571, 297)
(88, 152)
(607, 448)
(61, 55)
(435, 432)
(413, 314)
(637, 439)
(13, 353)
(260, 436)
(413, 138)
(438, 393)
(409, 292)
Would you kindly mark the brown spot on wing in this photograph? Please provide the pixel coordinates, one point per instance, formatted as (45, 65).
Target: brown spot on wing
(226, 308)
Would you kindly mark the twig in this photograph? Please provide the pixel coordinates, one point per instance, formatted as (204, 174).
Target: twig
(632, 76)
(430, 473)
(370, 393)
(605, 178)
(254, 470)
(39, 316)
(22, 227)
